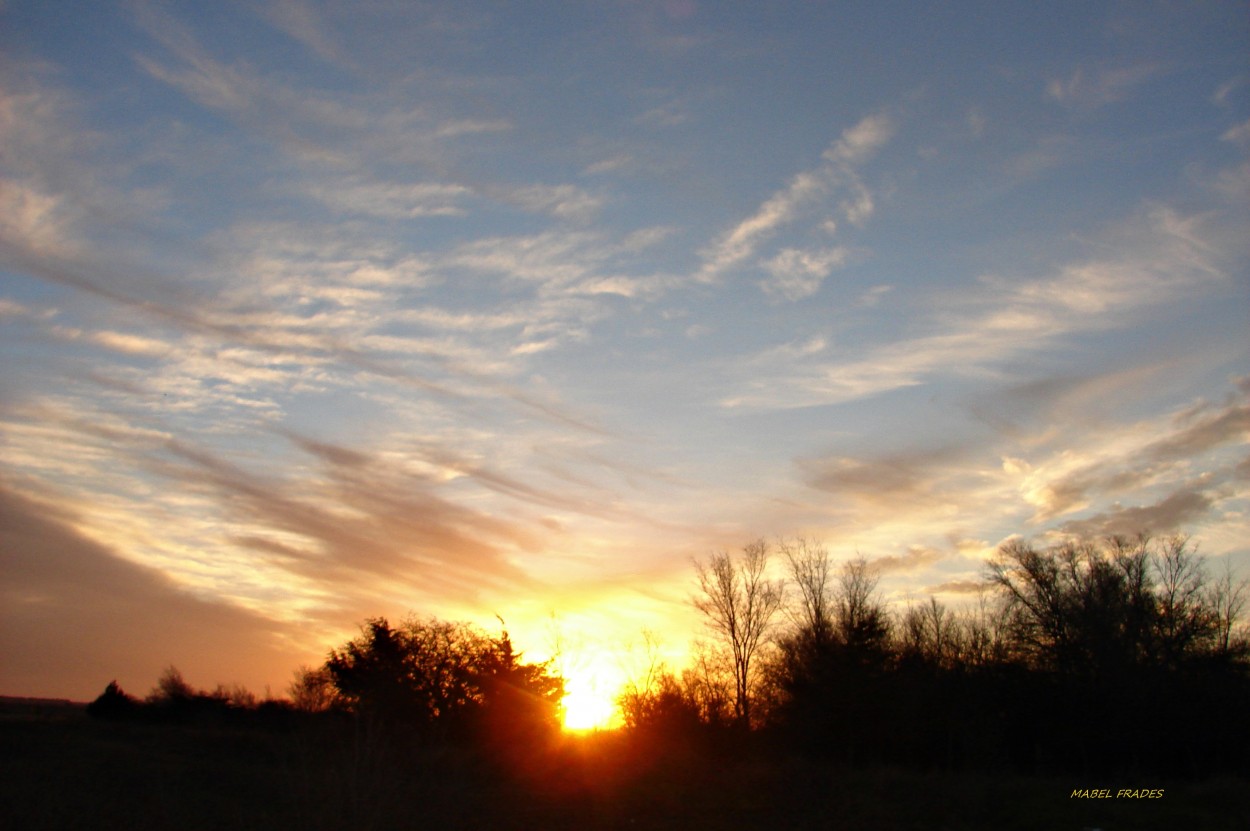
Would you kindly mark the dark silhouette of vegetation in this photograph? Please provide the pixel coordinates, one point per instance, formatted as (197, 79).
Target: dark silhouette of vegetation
(739, 604)
(445, 681)
(816, 704)
(1131, 658)
(831, 671)
(113, 703)
(174, 701)
(1120, 657)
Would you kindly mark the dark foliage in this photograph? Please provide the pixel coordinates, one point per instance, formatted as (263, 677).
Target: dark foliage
(1098, 660)
(441, 682)
(174, 701)
(113, 704)
(1086, 665)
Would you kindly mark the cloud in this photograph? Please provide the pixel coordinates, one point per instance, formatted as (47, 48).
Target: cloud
(1138, 457)
(1238, 134)
(797, 274)
(77, 615)
(969, 587)
(612, 164)
(917, 557)
(395, 516)
(32, 222)
(1155, 259)
(1046, 153)
(573, 265)
(1175, 513)
(669, 114)
(391, 200)
(360, 129)
(1204, 429)
(299, 304)
(1073, 400)
(362, 524)
(894, 479)
(872, 297)
(57, 178)
(855, 146)
(1089, 90)
(566, 202)
(860, 142)
(741, 242)
(121, 342)
(301, 21)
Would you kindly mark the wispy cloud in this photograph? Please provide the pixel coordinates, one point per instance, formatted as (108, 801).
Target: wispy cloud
(836, 174)
(567, 202)
(76, 614)
(1159, 257)
(1097, 88)
(797, 274)
(1139, 457)
(301, 20)
(908, 477)
(391, 200)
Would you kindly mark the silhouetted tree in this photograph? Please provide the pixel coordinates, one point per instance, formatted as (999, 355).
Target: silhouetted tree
(171, 688)
(1227, 601)
(708, 683)
(113, 704)
(1081, 608)
(659, 703)
(444, 680)
(738, 603)
(861, 620)
(312, 690)
(929, 634)
(1115, 636)
(665, 707)
(810, 572)
(834, 686)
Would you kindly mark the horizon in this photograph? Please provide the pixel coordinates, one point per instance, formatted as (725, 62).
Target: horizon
(315, 313)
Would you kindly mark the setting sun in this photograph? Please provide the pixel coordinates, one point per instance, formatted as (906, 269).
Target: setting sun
(588, 706)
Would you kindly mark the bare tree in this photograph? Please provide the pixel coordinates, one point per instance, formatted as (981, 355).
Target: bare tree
(982, 632)
(931, 633)
(861, 621)
(1227, 599)
(644, 682)
(739, 603)
(1084, 607)
(706, 682)
(1184, 618)
(808, 563)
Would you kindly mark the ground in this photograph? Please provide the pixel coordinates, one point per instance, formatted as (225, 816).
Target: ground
(60, 769)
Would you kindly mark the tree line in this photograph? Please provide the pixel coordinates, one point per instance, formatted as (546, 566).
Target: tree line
(1095, 657)
(1121, 656)
(422, 683)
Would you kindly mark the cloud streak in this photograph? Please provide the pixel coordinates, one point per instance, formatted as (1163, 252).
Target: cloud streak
(76, 614)
(837, 173)
(1159, 258)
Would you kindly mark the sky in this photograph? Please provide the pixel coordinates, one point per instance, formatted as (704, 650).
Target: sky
(316, 311)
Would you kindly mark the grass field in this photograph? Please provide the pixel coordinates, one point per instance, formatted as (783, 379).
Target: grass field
(62, 770)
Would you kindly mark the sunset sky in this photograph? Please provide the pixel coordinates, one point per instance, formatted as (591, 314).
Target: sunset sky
(314, 311)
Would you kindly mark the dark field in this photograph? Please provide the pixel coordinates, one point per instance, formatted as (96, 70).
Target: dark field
(62, 770)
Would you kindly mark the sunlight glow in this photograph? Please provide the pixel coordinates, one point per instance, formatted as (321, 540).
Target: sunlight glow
(588, 707)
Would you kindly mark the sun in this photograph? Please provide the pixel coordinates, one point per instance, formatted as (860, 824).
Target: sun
(587, 706)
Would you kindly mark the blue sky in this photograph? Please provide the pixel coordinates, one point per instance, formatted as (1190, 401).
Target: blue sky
(315, 311)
